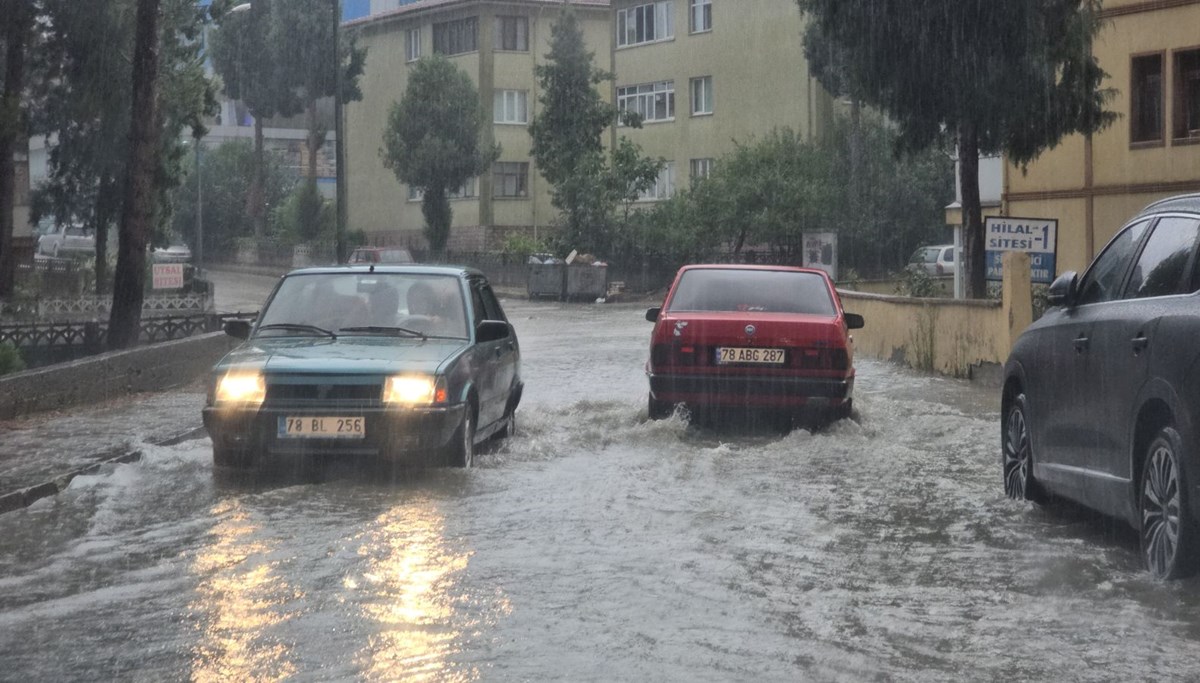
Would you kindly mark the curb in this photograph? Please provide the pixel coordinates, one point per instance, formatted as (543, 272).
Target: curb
(23, 498)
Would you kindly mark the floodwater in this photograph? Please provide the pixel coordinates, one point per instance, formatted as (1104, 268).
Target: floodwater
(596, 545)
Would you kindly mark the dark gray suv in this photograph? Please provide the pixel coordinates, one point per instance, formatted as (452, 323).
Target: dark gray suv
(1101, 395)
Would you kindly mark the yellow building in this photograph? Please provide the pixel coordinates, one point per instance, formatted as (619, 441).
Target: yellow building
(1151, 51)
(703, 73)
(498, 43)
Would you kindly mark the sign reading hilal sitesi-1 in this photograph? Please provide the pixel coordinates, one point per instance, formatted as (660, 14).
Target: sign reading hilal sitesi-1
(1038, 237)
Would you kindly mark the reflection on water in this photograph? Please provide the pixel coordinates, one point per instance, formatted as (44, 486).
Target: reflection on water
(407, 588)
(239, 597)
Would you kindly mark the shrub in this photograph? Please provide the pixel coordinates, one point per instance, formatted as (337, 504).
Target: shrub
(10, 358)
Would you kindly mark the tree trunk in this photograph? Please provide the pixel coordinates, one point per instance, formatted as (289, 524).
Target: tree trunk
(103, 214)
(315, 139)
(435, 207)
(137, 213)
(974, 266)
(19, 21)
(256, 196)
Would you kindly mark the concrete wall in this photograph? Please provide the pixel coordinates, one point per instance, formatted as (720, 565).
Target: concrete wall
(155, 367)
(952, 337)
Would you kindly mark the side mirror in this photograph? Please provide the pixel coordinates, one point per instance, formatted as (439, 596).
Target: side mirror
(239, 329)
(854, 321)
(1064, 290)
(490, 331)
(652, 313)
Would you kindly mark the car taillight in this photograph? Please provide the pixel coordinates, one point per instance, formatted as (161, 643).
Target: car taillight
(674, 354)
(820, 359)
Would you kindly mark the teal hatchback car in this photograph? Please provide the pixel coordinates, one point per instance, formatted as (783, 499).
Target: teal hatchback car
(413, 363)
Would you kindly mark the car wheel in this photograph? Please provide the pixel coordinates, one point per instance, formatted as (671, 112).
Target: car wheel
(1168, 533)
(1017, 447)
(462, 446)
(660, 410)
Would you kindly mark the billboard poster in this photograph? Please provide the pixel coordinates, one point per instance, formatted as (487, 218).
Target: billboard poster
(1037, 237)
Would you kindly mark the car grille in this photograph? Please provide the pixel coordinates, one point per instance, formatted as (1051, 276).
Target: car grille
(324, 392)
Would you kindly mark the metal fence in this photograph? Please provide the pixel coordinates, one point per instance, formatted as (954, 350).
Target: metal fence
(56, 342)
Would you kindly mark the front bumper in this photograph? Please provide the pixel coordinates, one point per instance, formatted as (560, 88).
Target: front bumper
(735, 391)
(389, 433)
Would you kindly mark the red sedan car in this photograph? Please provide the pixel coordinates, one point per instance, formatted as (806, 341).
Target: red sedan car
(737, 336)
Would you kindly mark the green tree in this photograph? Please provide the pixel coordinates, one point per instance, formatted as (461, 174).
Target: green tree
(137, 210)
(568, 145)
(1011, 77)
(225, 176)
(432, 140)
(252, 71)
(87, 110)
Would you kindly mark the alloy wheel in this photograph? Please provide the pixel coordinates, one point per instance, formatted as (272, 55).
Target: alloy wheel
(1161, 508)
(1016, 454)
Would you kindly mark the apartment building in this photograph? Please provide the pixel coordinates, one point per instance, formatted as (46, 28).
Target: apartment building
(707, 74)
(703, 74)
(1151, 51)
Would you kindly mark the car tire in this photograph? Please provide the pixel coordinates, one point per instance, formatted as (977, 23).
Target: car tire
(1168, 534)
(659, 410)
(1016, 455)
(461, 451)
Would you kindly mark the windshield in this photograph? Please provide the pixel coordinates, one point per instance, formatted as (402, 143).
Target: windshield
(366, 303)
(766, 291)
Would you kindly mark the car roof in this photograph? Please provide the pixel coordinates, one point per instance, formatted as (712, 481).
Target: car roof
(1185, 202)
(750, 266)
(412, 268)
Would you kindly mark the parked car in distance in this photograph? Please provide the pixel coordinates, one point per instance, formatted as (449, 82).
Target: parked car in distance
(935, 260)
(394, 363)
(380, 255)
(1101, 398)
(175, 253)
(765, 338)
(67, 240)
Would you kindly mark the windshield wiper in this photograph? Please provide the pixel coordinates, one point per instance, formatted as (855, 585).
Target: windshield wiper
(299, 327)
(379, 329)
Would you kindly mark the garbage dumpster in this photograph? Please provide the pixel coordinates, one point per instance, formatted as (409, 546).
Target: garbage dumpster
(586, 281)
(546, 280)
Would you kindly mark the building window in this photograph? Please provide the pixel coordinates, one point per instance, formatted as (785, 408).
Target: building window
(510, 107)
(651, 101)
(413, 44)
(456, 37)
(510, 179)
(700, 16)
(511, 33)
(702, 95)
(468, 190)
(701, 169)
(1187, 94)
(1146, 99)
(645, 23)
(664, 186)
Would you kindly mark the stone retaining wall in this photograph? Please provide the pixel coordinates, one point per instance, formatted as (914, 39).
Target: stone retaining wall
(154, 367)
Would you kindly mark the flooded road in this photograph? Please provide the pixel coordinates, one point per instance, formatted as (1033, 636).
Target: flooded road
(596, 545)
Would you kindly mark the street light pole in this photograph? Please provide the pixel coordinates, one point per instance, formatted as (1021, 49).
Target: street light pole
(199, 215)
(339, 150)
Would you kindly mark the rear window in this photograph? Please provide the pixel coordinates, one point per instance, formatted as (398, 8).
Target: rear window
(765, 291)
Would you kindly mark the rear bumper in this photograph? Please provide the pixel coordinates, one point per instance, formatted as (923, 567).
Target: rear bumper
(390, 433)
(713, 390)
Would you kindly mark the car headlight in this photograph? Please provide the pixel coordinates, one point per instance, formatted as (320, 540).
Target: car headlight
(248, 388)
(414, 390)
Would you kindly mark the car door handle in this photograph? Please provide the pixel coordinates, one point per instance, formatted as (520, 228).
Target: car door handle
(1139, 343)
(1081, 343)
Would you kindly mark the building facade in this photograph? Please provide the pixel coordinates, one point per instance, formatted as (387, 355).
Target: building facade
(704, 75)
(708, 74)
(1092, 185)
